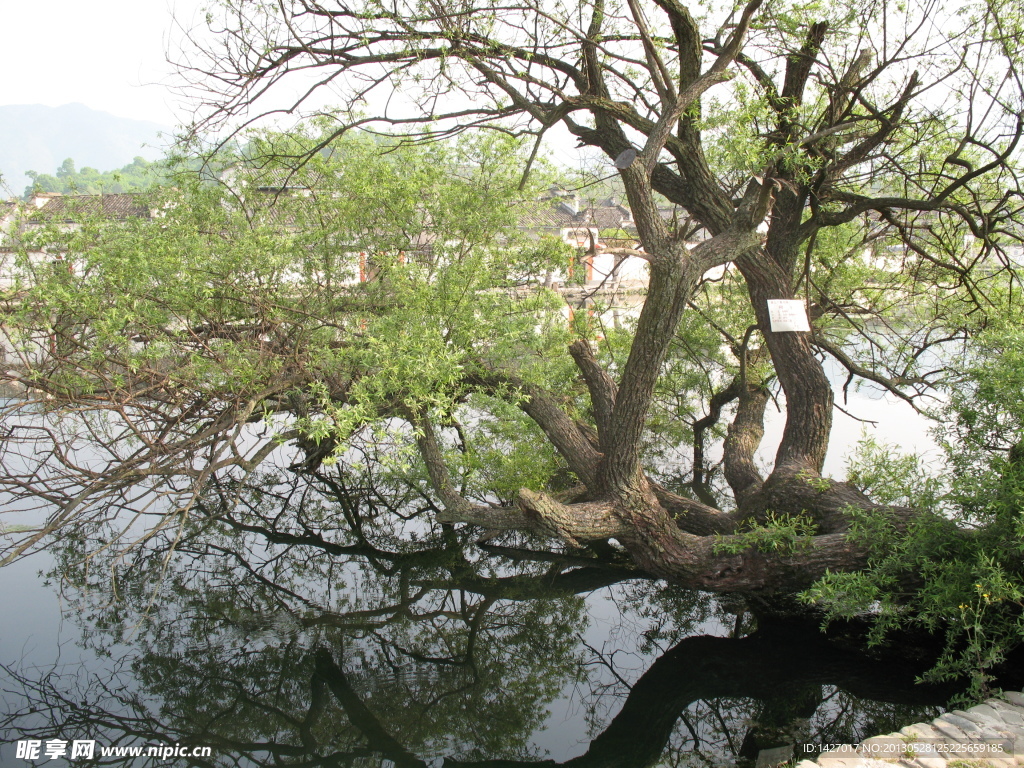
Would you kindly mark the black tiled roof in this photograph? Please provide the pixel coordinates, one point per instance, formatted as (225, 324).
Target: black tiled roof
(560, 213)
(115, 206)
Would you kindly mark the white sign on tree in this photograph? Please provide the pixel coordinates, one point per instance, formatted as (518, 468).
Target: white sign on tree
(787, 315)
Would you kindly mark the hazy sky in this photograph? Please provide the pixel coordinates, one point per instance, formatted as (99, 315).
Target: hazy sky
(111, 55)
(107, 54)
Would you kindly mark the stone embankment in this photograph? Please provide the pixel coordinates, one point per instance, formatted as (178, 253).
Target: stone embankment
(989, 734)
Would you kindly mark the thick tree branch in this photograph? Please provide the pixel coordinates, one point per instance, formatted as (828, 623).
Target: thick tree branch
(602, 387)
(571, 442)
(689, 93)
(743, 440)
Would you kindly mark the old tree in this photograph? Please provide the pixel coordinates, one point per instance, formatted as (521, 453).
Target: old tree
(862, 157)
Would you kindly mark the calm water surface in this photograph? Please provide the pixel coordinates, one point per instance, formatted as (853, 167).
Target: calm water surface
(310, 625)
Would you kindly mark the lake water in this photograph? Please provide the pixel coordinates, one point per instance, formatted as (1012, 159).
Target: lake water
(313, 627)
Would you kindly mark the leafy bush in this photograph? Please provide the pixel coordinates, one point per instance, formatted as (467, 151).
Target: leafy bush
(958, 569)
(779, 534)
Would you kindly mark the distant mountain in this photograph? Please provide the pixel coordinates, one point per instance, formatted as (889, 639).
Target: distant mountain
(38, 138)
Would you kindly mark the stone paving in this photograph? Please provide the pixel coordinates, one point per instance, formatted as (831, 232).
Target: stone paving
(989, 734)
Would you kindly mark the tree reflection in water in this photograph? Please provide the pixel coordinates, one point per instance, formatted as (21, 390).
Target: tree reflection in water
(297, 624)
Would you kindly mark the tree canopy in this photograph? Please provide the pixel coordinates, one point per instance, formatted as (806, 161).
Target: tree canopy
(860, 158)
(138, 175)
